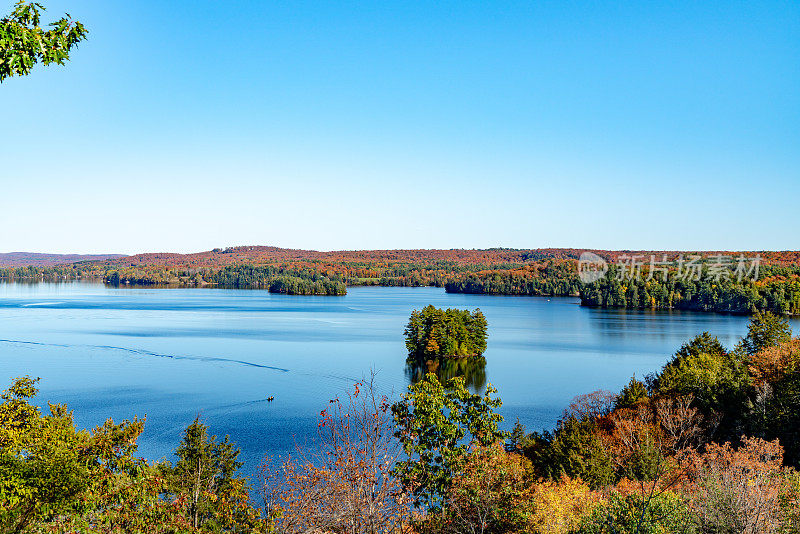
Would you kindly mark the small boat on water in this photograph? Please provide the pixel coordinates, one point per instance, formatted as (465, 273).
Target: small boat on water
(270, 398)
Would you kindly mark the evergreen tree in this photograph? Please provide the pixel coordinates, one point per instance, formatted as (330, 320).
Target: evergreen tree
(632, 393)
(206, 474)
(517, 436)
(766, 330)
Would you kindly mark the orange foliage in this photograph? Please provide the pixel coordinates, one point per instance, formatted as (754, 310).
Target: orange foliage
(491, 493)
(740, 490)
(770, 364)
(347, 486)
(672, 424)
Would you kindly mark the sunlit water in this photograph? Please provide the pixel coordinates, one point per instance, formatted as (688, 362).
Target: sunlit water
(174, 354)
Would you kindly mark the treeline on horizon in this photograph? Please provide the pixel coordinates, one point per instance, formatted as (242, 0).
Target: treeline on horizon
(545, 272)
(709, 444)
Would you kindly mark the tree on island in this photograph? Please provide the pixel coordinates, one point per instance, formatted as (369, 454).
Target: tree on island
(433, 333)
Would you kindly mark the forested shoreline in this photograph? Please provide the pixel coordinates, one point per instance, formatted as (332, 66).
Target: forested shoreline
(545, 272)
(777, 291)
(550, 279)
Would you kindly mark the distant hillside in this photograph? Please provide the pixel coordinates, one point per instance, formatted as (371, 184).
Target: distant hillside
(259, 255)
(38, 259)
(266, 255)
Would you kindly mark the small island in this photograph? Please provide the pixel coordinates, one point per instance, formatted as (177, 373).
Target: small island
(435, 334)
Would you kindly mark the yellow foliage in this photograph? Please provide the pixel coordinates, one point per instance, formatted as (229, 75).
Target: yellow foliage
(561, 506)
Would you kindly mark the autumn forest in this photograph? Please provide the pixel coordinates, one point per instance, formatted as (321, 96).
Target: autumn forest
(771, 285)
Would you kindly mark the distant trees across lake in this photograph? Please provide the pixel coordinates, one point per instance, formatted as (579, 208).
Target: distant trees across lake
(559, 279)
(279, 280)
(436, 334)
(275, 279)
(541, 272)
(777, 290)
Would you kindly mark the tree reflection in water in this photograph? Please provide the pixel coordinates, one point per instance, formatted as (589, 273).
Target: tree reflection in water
(472, 369)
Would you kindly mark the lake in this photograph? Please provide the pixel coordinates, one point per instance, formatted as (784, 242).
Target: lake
(174, 354)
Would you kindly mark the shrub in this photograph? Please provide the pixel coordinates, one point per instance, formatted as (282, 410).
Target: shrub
(347, 484)
(561, 506)
(637, 513)
(436, 424)
(489, 494)
(740, 490)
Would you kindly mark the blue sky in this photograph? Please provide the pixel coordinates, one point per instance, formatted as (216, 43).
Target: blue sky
(184, 126)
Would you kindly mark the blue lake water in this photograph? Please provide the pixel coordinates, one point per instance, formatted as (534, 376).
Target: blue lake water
(174, 354)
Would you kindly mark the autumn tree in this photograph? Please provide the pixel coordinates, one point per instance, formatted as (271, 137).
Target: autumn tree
(649, 443)
(131, 501)
(776, 413)
(575, 448)
(346, 483)
(717, 379)
(774, 363)
(740, 489)
(490, 494)
(591, 406)
(53, 474)
(625, 512)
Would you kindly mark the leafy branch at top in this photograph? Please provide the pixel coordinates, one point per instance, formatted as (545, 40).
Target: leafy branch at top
(23, 42)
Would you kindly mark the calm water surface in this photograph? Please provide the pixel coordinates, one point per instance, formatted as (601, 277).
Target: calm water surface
(174, 354)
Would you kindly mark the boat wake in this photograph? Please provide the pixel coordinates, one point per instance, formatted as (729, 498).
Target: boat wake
(140, 352)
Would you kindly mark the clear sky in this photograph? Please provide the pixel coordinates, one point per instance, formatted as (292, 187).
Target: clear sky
(188, 125)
